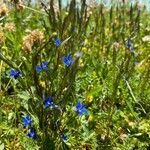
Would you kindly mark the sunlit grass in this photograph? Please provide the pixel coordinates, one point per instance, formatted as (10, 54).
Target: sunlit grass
(83, 76)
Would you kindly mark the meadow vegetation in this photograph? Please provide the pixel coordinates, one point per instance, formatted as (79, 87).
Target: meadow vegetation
(74, 77)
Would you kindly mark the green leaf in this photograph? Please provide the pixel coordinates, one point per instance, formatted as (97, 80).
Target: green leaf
(65, 41)
(24, 95)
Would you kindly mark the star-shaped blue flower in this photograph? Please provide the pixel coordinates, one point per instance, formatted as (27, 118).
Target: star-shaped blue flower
(57, 41)
(15, 73)
(32, 133)
(27, 120)
(42, 66)
(48, 102)
(68, 60)
(81, 109)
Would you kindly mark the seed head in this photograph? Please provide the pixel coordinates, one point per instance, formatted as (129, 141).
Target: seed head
(3, 10)
(35, 37)
(10, 27)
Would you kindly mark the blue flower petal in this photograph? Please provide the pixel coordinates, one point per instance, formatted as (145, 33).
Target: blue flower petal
(15, 73)
(57, 41)
(38, 68)
(18, 74)
(32, 133)
(79, 105)
(68, 60)
(81, 109)
(44, 65)
(69, 56)
(48, 102)
(12, 73)
(27, 120)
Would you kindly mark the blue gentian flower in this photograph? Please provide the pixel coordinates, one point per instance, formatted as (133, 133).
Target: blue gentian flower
(64, 137)
(68, 60)
(81, 109)
(42, 66)
(27, 121)
(15, 73)
(57, 41)
(32, 133)
(48, 102)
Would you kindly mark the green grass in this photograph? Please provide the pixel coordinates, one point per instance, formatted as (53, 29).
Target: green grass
(112, 81)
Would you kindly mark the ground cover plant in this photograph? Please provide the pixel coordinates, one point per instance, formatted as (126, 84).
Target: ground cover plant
(74, 77)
